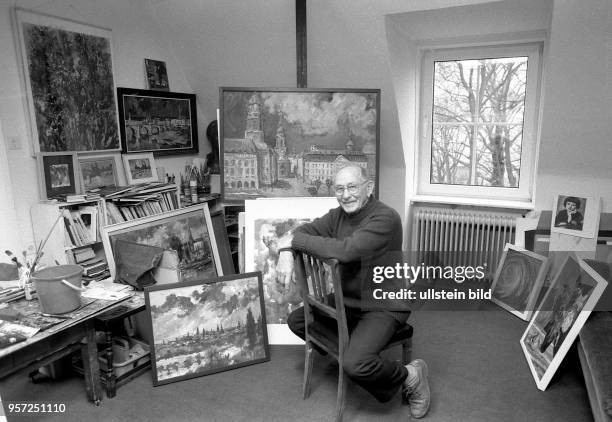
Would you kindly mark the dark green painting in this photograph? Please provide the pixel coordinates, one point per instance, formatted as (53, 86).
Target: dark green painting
(72, 89)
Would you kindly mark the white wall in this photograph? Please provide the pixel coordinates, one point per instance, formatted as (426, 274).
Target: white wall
(576, 141)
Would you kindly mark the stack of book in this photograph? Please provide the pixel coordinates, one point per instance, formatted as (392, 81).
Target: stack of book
(140, 201)
(95, 268)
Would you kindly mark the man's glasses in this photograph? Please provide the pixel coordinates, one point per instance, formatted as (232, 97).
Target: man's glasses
(351, 189)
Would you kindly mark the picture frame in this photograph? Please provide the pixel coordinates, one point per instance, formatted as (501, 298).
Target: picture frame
(57, 174)
(188, 231)
(156, 75)
(583, 219)
(518, 280)
(67, 76)
(214, 332)
(290, 142)
(266, 220)
(571, 297)
(140, 168)
(100, 170)
(161, 122)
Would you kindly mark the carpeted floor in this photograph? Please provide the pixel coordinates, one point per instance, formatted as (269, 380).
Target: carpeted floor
(477, 373)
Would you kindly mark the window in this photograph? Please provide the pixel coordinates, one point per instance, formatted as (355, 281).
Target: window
(479, 114)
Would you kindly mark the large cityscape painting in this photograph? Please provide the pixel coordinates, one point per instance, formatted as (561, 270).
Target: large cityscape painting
(291, 142)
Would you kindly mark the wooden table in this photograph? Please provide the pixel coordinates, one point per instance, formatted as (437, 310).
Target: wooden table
(74, 333)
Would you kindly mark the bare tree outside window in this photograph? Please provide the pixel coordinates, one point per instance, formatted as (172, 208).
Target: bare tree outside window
(478, 117)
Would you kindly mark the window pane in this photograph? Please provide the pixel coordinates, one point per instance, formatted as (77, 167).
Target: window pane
(478, 114)
(450, 154)
(499, 155)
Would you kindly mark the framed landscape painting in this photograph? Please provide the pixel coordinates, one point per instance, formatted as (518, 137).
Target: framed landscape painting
(101, 170)
(206, 326)
(164, 123)
(57, 174)
(266, 220)
(188, 231)
(140, 168)
(69, 86)
(278, 142)
(572, 296)
(518, 280)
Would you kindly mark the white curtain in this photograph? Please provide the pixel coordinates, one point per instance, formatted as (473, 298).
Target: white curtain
(9, 238)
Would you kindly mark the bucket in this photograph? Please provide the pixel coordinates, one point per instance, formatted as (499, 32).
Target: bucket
(59, 288)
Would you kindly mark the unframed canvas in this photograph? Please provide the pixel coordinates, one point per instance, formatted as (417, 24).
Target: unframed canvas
(278, 142)
(518, 281)
(586, 224)
(572, 296)
(266, 220)
(67, 70)
(157, 77)
(188, 231)
(206, 326)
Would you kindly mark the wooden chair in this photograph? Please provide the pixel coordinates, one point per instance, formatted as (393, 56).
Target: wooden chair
(313, 275)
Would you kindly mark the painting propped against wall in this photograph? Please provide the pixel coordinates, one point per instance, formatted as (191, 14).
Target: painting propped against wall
(278, 142)
(266, 220)
(69, 85)
(572, 296)
(206, 326)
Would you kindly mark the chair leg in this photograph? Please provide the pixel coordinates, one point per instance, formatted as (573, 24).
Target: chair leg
(340, 402)
(406, 357)
(308, 359)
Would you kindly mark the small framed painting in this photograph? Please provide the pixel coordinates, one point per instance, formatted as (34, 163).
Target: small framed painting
(100, 170)
(140, 168)
(576, 215)
(572, 296)
(57, 174)
(206, 326)
(157, 78)
(518, 281)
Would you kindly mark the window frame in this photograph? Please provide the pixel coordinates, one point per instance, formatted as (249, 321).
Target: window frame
(524, 194)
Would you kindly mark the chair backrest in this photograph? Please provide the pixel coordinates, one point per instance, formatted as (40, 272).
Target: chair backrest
(321, 288)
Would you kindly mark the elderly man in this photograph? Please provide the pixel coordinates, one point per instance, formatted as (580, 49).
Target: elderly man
(361, 227)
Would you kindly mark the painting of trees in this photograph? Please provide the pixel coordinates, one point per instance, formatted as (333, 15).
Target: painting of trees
(477, 130)
(70, 82)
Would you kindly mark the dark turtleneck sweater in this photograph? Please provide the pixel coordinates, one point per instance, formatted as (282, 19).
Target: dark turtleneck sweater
(365, 235)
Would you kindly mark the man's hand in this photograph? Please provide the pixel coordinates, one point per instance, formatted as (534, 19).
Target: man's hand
(284, 267)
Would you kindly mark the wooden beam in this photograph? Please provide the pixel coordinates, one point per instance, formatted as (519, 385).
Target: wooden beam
(300, 33)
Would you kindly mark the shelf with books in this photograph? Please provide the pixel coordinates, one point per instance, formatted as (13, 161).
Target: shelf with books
(130, 203)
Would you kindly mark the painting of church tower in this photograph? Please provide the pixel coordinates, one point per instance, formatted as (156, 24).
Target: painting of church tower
(249, 163)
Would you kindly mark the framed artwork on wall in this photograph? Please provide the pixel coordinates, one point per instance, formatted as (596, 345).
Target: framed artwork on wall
(69, 85)
(57, 174)
(188, 231)
(100, 170)
(518, 280)
(206, 326)
(572, 296)
(576, 215)
(156, 75)
(266, 220)
(164, 123)
(140, 168)
(280, 142)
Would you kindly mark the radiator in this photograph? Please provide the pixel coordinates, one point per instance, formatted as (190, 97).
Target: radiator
(444, 236)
